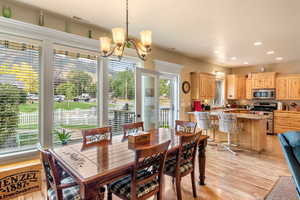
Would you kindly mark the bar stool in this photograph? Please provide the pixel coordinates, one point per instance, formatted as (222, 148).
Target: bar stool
(228, 124)
(204, 122)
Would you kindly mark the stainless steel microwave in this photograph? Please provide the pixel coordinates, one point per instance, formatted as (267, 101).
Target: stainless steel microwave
(263, 94)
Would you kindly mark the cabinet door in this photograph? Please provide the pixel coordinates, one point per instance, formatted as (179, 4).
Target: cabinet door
(282, 91)
(294, 88)
(203, 87)
(231, 90)
(195, 86)
(211, 82)
(248, 88)
(241, 87)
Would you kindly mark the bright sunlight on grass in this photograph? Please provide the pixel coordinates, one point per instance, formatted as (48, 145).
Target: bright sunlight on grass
(27, 108)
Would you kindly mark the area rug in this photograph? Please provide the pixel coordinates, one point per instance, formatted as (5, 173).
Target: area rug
(284, 189)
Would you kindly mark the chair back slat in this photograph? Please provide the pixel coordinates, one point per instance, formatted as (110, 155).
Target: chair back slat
(187, 149)
(185, 126)
(150, 160)
(133, 128)
(93, 136)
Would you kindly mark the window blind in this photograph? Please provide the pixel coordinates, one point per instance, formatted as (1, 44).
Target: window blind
(19, 95)
(121, 106)
(75, 92)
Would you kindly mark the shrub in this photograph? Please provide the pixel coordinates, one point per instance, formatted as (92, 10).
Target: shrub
(9, 111)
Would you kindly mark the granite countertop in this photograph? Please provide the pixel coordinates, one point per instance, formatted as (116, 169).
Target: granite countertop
(238, 115)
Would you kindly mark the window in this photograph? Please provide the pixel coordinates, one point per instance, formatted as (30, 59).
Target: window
(121, 98)
(19, 95)
(75, 93)
(219, 98)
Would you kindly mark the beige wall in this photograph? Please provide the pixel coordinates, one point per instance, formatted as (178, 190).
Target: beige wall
(30, 15)
(285, 68)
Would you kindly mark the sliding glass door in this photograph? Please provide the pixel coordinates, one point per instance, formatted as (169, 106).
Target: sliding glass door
(156, 98)
(168, 100)
(147, 97)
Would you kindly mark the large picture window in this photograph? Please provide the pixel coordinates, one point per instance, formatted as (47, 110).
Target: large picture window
(75, 93)
(121, 98)
(19, 95)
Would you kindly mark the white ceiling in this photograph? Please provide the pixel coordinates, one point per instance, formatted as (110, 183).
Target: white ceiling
(199, 27)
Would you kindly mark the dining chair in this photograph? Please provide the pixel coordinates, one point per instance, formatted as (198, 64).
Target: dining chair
(146, 176)
(58, 186)
(182, 162)
(185, 126)
(93, 136)
(133, 128)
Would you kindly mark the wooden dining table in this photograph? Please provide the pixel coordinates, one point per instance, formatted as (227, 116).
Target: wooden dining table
(96, 166)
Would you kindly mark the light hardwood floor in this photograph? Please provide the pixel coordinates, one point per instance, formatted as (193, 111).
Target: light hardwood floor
(248, 176)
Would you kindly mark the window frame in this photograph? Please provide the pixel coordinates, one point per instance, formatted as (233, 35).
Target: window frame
(49, 38)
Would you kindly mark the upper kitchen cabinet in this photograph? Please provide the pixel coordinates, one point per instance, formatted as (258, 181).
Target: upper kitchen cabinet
(282, 90)
(264, 80)
(203, 86)
(236, 86)
(248, 88)
(288, 87)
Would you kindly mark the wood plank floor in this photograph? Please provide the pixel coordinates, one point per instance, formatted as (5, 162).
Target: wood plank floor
(248, 176)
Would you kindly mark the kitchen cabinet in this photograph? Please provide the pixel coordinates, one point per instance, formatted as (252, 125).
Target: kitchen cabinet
(236, 86)
(203, 86)
(248, 88)
(265, 80)
(286, 121)
(288, 87)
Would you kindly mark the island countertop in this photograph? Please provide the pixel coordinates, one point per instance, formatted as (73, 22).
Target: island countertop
(238, 115)
(252, 130)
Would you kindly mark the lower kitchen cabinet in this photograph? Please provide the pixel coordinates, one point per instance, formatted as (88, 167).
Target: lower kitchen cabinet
(286, 121)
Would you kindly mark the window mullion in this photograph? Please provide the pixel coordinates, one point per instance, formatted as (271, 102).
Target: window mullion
(46, 95)
(104, 89)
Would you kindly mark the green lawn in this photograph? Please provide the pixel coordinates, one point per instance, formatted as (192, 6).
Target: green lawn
(27, 108)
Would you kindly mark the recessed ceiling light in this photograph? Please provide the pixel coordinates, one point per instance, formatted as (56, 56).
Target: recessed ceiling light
(257, 43)
(233, 58)
(270, 52)
(279, 58)
(216, 52)
(246, 63)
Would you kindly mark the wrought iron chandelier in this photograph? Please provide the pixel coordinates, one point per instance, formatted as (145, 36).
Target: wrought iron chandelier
(121, 41)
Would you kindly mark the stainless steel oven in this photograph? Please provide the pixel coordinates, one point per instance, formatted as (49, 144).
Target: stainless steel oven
(263, 94)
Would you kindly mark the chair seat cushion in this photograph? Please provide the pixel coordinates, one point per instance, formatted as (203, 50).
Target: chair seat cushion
(170, 166)
(71, 193)
(122, 187)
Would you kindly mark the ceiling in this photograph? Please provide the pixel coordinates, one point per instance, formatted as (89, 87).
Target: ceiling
(198, 28)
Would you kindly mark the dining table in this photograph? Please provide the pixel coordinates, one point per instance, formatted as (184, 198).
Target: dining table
(98, 165)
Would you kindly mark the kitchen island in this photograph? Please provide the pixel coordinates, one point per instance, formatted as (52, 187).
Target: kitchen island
(252, 129)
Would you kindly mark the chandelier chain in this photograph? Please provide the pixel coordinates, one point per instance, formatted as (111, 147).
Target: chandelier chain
(127, 23)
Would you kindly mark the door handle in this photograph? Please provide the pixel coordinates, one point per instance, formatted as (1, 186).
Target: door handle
(138, 115)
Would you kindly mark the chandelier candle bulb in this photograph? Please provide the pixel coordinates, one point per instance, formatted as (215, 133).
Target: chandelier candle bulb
(105, 43)
(146, 38)
(118, 36)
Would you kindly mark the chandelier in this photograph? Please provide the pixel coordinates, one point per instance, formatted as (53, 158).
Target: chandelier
(121, 41)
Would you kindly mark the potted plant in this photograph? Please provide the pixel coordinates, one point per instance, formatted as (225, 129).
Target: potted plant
(63, 136)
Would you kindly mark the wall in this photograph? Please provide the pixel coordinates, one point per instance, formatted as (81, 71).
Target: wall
(285, 68)
(30, 14)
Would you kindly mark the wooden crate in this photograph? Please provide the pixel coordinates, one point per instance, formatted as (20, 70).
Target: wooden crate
(19, 179)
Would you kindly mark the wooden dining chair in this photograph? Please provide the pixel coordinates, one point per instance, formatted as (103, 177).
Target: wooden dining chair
(182, 162)
(133, 128)
(97, 136)
(59, 186)
(146, 177)
(185, 126)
